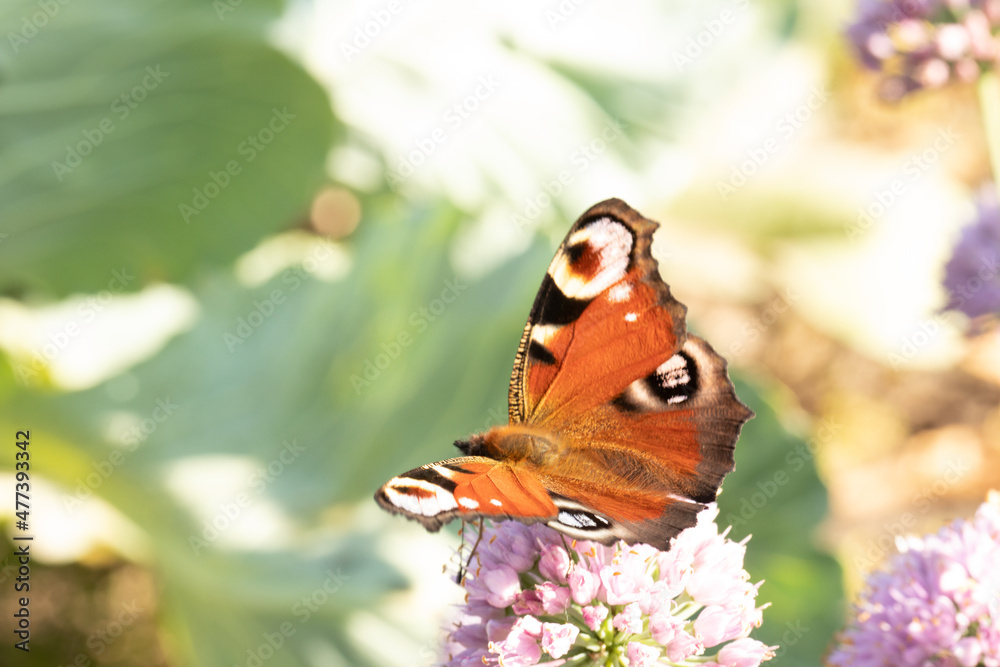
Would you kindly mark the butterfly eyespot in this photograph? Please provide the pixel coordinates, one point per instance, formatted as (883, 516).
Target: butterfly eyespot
(594, 258)
(676, 379)
(582, 520)
(495, 501)
(631, 317)
(673, 382)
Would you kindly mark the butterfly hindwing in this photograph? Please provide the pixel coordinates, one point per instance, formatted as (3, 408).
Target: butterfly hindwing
(659, 450)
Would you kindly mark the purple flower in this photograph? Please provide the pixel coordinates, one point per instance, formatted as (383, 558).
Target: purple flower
(536, 597)
(971, 275)
(925, 43)
(502, 585)
(936, 603)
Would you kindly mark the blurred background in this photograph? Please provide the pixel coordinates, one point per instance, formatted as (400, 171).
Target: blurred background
(257, 256)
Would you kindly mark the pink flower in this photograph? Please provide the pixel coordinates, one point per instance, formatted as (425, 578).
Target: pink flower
(715, 625)
(555, 599)
(745, 652)
(529, 625)
(673, 605)
(663, 627)
(545, 598)
(554, 563)
(515, 548)
(527, 602)
(968, 651)
(627, 578)
(676, 566)
(498, 629)
(558, 638)
(520, 648)
(583, 584)
(502, 585)
(683, 646)
(718, 576)
(641, 655)
(629, 620)
(593, 616)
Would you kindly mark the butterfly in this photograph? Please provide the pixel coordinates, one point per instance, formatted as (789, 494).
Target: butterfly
(622, 424)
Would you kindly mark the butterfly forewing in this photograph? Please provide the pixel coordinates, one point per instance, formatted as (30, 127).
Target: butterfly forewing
(466, 486)
(602, 317)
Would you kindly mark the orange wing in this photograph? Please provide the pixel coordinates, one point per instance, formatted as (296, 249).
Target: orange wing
(643, 414)
(467, 487)
(601, 319)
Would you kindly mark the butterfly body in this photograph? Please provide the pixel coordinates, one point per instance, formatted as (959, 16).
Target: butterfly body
(622, 424)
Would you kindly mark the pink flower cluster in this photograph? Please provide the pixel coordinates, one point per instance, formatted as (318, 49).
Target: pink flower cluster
(936, 603)
(535, 596)
(926, 43)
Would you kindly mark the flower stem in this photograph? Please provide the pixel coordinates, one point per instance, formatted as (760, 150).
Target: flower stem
(989, 104)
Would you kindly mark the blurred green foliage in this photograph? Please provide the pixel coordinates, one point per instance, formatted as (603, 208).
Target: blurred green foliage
(775, 495)
(120, 123)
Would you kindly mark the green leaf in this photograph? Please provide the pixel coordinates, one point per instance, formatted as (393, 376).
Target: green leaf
(149, 136)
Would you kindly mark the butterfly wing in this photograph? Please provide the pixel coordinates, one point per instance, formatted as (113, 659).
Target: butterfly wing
(645, 414)
(601, 315)
(467, 487)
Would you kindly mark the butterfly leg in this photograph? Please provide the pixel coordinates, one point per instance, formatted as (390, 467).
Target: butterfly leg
(464, 569)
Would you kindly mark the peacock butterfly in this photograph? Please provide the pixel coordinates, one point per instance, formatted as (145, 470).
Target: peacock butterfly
(622, 424)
